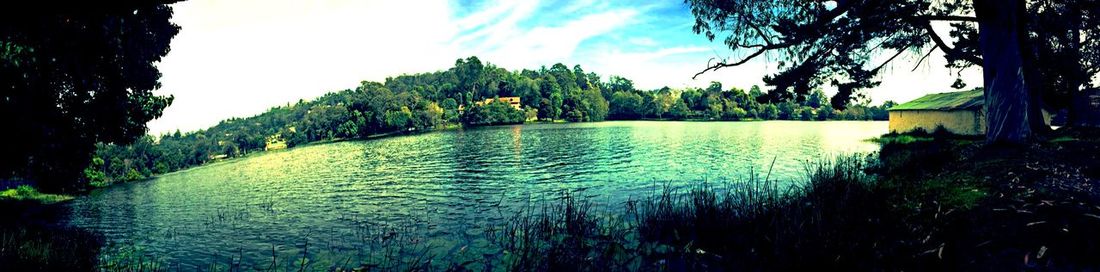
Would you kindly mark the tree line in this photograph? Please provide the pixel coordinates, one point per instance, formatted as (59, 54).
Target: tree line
(425, 101)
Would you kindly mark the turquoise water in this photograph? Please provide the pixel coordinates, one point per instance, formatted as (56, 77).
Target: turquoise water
(439, 189)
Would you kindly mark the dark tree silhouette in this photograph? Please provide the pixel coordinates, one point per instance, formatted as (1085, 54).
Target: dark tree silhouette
(834, 42)
(77, 74)
(1066, 37)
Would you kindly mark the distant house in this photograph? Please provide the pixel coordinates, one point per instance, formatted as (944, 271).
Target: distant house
(960, 113)
(511, 100)
(274, 142)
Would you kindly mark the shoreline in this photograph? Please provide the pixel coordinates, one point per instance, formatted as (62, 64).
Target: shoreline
(451, 127)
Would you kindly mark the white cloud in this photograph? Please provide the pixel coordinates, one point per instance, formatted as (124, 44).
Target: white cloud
(495, 29)
(485, 17)
(643, 41)
(504, 39)
(580, 5)
(239, 58)
(550, 44)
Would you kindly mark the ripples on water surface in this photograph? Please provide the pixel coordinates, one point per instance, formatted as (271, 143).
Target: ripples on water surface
(442, 186)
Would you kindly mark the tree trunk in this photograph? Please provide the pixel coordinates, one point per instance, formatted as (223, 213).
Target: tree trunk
(1079, 78)
(1034, 79)
(1009, 105)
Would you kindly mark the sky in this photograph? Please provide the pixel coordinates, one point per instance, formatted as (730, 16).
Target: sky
(240, 58)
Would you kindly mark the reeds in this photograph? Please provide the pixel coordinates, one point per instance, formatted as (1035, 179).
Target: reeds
(755, 223)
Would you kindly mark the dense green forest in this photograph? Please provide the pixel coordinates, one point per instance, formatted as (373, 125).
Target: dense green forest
(425, 101)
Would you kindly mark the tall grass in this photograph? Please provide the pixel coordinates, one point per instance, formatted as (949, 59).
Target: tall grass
(757, 223)
(564, 236)
(753, 224)
(37, 249)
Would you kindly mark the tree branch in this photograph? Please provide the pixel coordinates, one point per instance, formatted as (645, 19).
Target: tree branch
(921, 60)
(947, 49)
(902, 50)
(723, 64)
(841, 8)
(751, 45)
(763, 36)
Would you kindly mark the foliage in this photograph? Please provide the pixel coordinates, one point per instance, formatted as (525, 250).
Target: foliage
(421, 102)
(28, 193)
(74, 76)
(1034, 53)
(625, 105)
(493, 113)
(858, 30)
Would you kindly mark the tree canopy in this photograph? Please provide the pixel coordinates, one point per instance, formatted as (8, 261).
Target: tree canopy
(838, 42)
(75, 75)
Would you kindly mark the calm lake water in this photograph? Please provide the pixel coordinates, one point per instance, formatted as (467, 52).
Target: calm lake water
(438, 189)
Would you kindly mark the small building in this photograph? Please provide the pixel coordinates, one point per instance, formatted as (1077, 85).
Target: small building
(511, 100)
(274, 142)
(961, 113)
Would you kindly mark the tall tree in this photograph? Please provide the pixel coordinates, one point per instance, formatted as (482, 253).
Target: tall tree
(1011, 110)
(625, 105)
(469, 74)
(74, 75)
(619, 84)
(834, 42)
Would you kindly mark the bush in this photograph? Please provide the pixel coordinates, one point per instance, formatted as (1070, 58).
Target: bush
(28, 193)
(494, 113)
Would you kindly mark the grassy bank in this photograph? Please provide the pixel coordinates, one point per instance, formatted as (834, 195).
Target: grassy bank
(30, 194)
(923, 203)
(30, 242)
(35, 248)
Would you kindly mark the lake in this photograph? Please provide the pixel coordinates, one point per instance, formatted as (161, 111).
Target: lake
(437, 189)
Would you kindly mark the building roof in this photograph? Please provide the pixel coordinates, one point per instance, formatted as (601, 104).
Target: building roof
(945, 101)
(506, 99)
